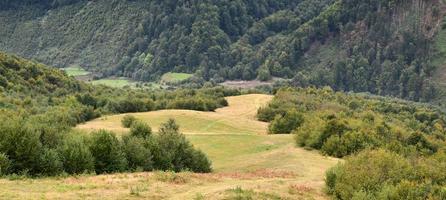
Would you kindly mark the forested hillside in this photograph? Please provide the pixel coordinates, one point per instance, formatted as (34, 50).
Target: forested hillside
(380, 46)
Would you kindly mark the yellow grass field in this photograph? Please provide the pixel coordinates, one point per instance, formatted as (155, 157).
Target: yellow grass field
(247, 163)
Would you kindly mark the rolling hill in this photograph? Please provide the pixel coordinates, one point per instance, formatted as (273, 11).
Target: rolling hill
(246, 161)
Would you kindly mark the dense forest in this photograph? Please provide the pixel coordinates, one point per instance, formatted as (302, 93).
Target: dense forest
(394, 149)
(380, 46)
(40, 105)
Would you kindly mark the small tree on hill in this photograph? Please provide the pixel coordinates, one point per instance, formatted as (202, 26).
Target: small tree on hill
(128, 120)
(286, 123)
(107, 152)
(140, 129)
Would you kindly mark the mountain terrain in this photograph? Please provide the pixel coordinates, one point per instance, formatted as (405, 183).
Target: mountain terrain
(386, 47)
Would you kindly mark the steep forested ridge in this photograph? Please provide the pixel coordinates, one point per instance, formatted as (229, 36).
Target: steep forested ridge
(379, 46)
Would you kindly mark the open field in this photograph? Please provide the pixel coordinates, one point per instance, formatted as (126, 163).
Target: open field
(75, 71)
(114, 82)
(174, 77)
(247, 162)
(238, 118)
(122, 82)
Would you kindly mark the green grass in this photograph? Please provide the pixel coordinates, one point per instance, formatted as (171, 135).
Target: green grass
(75, 71)
(230, 136)
(114, 82)
(123, 82)
(235, 152)
(247, 163)
(174, 77)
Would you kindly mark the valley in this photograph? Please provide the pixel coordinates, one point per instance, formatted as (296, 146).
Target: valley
(245, 160)
(223, 99)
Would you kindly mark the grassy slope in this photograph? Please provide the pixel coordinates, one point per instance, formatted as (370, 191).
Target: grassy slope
(115, 82)
(122, 82)
(265, 166)
(75, 71)
(174, 77)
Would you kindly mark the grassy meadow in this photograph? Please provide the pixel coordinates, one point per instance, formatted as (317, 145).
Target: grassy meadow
(247, 163)
(123, 82)
(114, 82)
(76, 71)
(174, 77)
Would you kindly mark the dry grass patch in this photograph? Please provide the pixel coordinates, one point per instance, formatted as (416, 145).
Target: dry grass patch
(237, 118)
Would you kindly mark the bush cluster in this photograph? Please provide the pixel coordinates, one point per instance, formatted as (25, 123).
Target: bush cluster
(342, 124)
(128, 120)
(286, 123)
(394, 149)
(381, 174)
(23, 150)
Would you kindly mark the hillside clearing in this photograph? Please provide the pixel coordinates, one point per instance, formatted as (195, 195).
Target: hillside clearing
(174, 77)
(246, 162)
(238, 118)
(114, 82)
(76, 71)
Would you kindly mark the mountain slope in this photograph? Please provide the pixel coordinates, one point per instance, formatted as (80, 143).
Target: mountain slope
(380, 46)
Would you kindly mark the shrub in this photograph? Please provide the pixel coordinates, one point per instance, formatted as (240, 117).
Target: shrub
(287, 123)
(140, 129)
(50, 162)
(200, 162)
(332, 127)
(5, 164)
(349, 143)
(369, 171)
(76, 155)
(128, 120)
(24, 150)
(265, 114)
(137, 155)
(107, 152)
(420, 142)
(174, 152)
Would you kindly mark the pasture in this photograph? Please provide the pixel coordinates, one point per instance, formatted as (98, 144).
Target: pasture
(247, 162)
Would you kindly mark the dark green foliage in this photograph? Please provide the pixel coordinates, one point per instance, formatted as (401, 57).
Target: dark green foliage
(380, 174)
(334, 127)
(393, 149)
(286, 123)
(21, 146)
(76, 155)
(5, 164)
(140, 129)
(107, 152)
(355, 45)
(50, 162)
(333, 123)
(137, 154)
(173, 151)
(128, 120)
